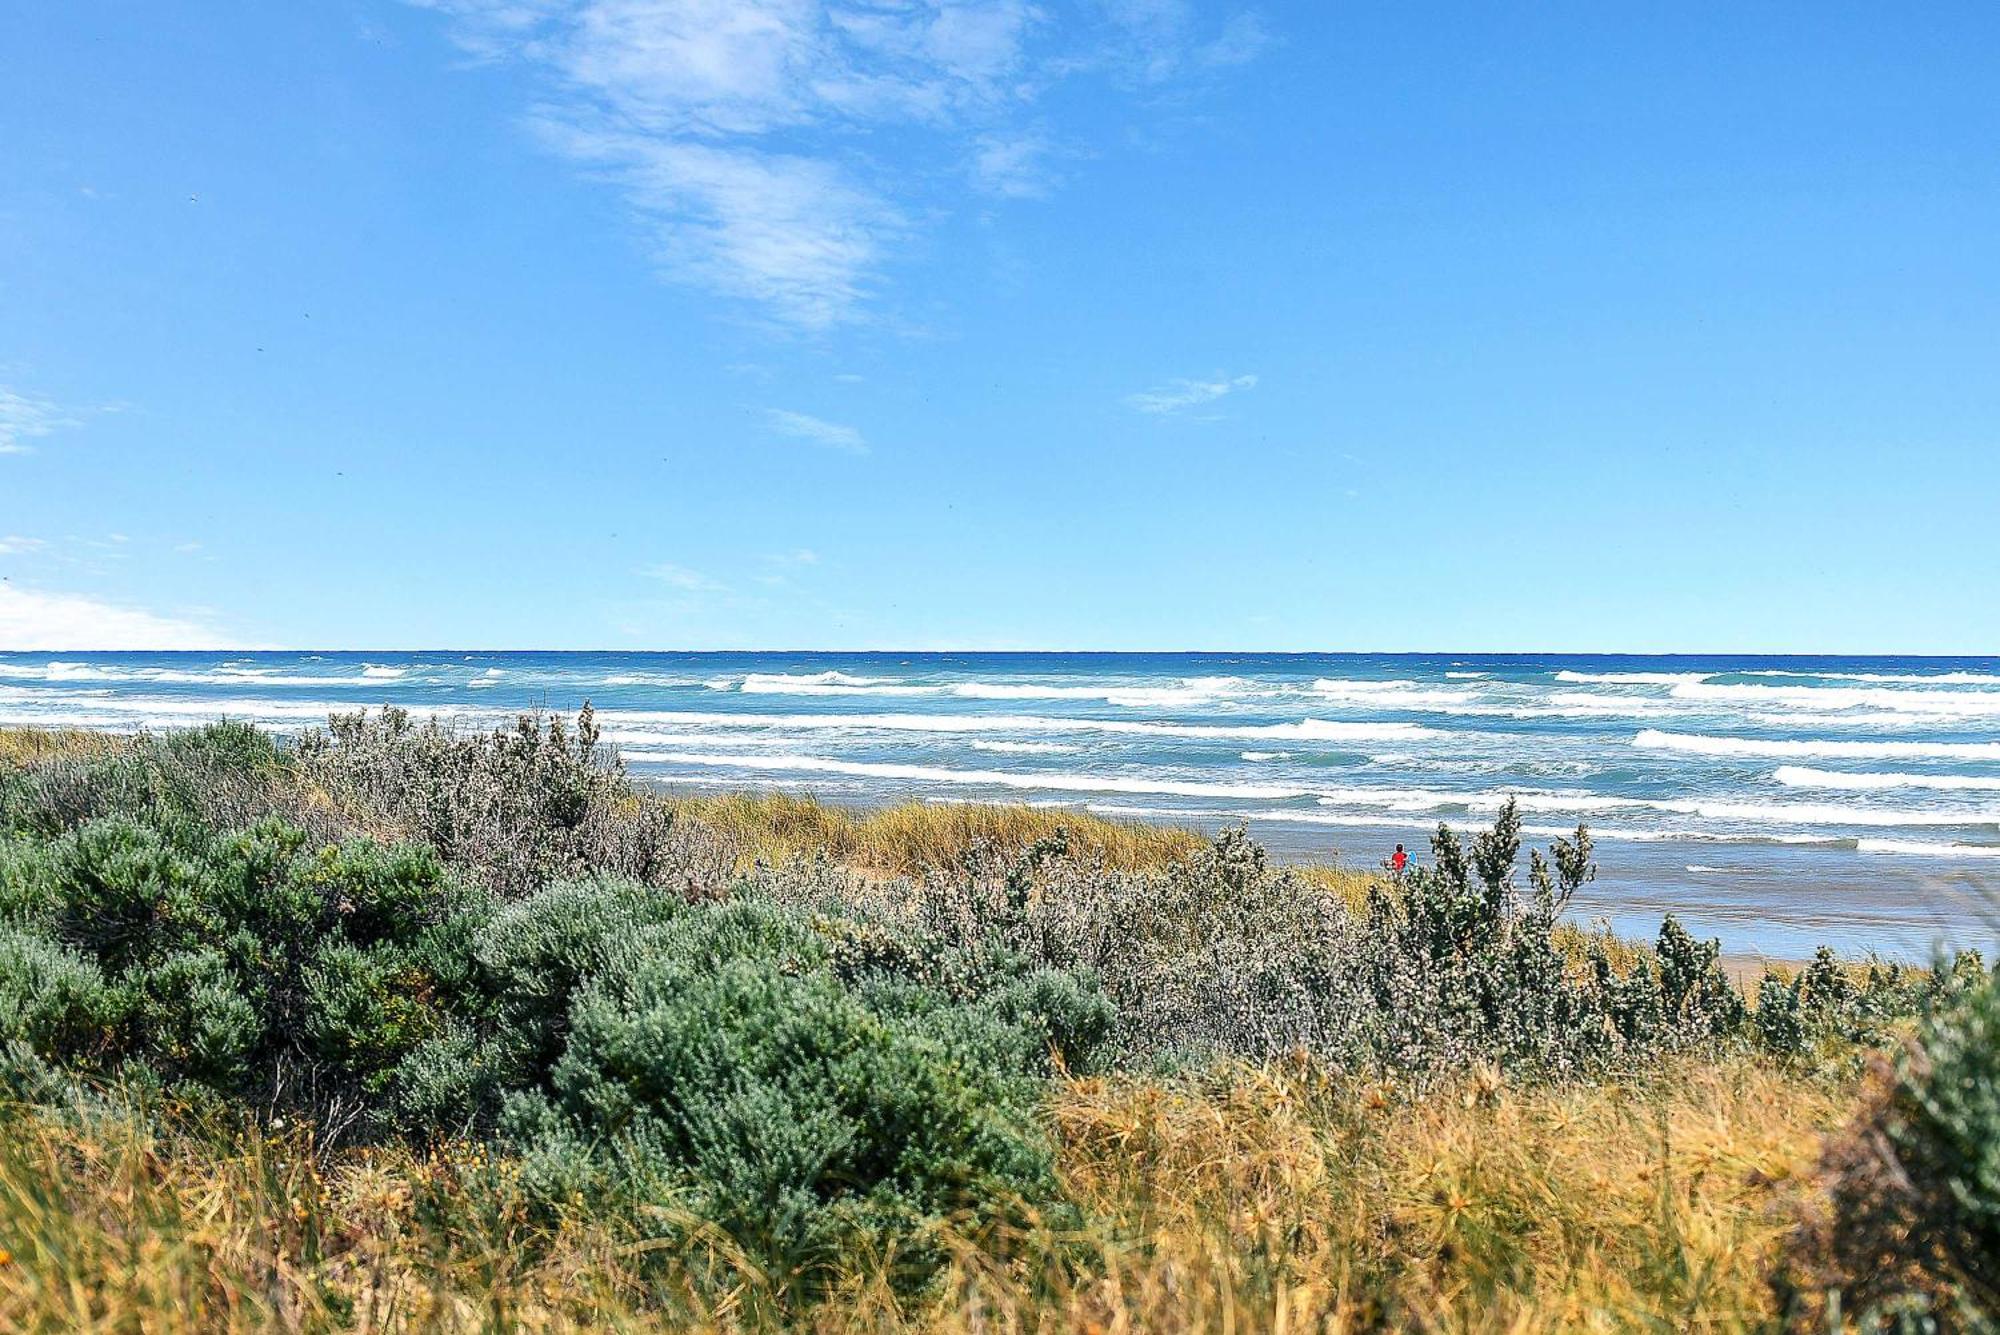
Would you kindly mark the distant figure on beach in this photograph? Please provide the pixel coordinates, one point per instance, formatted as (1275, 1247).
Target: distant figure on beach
(1399, 861)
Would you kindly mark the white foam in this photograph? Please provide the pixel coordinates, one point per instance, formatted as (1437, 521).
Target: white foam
(59, 673)
(372, 672)
(1799, 777)
(1584, 704)
(1465, 676)
(1827, 699)
(1389, 694)
(101, 712)
(1057, 782)
(1417, 800)
(1905, 678)
(1697, 744)
(1927, 850)
(1339, 819)
(1266, 755)
(1020, 748)
(1191, 691)
(827, 683)
(1314, 730)
(1187, 693)
(1632, 678)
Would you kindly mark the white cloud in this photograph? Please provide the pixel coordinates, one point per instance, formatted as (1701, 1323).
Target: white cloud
(789, 233)
(804, 426)
(24, 417)
(1158, 40)
(1013, 166)
(749, 135)
(1178, 396)
(14, 544)
(684, 579)
(35, 620)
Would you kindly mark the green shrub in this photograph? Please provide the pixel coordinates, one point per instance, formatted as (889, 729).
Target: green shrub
(221, 776)
(534, 954)
(729, 1076)
(1904, 1231)
(259, 965)
(1781, 1025)
(1948, 1133)
(54, 1000)
(191, 1019)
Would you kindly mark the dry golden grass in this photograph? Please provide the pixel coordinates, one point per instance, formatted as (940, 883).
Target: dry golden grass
(904, 839)
(1278, 1202)
(27, 746)
(1254, 1200)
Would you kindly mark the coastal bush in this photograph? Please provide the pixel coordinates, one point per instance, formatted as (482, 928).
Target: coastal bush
(533, 954)
(1223, 953)
(1904, 1228)
(514, 808)
(1948, 1133)
(218, 777)
(255, 965)
(727, 1070)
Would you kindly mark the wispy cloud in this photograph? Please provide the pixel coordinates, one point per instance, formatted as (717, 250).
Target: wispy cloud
(780, 566)
(747, 134)
(35, 620)
(1156, 41)
(1013, 166)
(817, 430)
(25, 417)
(1181, 396)
(684, 579)
(14, 544)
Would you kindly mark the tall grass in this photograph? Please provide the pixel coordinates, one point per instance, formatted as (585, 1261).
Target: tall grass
(909, 837)
(1257, 1199)
(27, 746)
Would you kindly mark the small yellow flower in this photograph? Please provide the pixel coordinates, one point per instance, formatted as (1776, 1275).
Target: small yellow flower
(6, 1257)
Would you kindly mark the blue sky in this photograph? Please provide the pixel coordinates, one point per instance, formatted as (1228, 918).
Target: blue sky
(988, 324)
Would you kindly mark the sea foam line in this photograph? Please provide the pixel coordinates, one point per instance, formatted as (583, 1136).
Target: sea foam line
(1075, 783)
(1698, 744)
(1583, 804)
(1190, 691)
(1309, 730)
(1826, 699)
(1926, 849)
(1902, 678)
(1377, 822)
(1798, 776)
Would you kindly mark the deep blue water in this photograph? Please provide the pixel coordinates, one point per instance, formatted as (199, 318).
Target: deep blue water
(1776, 802)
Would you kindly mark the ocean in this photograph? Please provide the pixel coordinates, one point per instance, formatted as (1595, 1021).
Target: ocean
(1775, 802)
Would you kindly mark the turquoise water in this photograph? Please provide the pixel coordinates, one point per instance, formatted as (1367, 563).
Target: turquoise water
(1774, 801)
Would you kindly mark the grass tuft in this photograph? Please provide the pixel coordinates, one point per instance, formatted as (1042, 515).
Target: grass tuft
(911, 837)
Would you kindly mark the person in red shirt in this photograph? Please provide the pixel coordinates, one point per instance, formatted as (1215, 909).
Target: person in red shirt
(1400, 861)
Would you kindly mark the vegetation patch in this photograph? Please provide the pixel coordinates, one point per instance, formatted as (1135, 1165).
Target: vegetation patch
(401, 1027)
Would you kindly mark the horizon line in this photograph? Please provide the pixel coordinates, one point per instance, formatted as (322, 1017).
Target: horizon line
(1023, 652)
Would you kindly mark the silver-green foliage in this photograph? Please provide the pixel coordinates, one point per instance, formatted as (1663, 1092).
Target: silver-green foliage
(514, 808)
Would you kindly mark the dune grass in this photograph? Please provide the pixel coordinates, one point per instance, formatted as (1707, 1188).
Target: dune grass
(1255, 1199)
(904, 839)
(27, 746)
